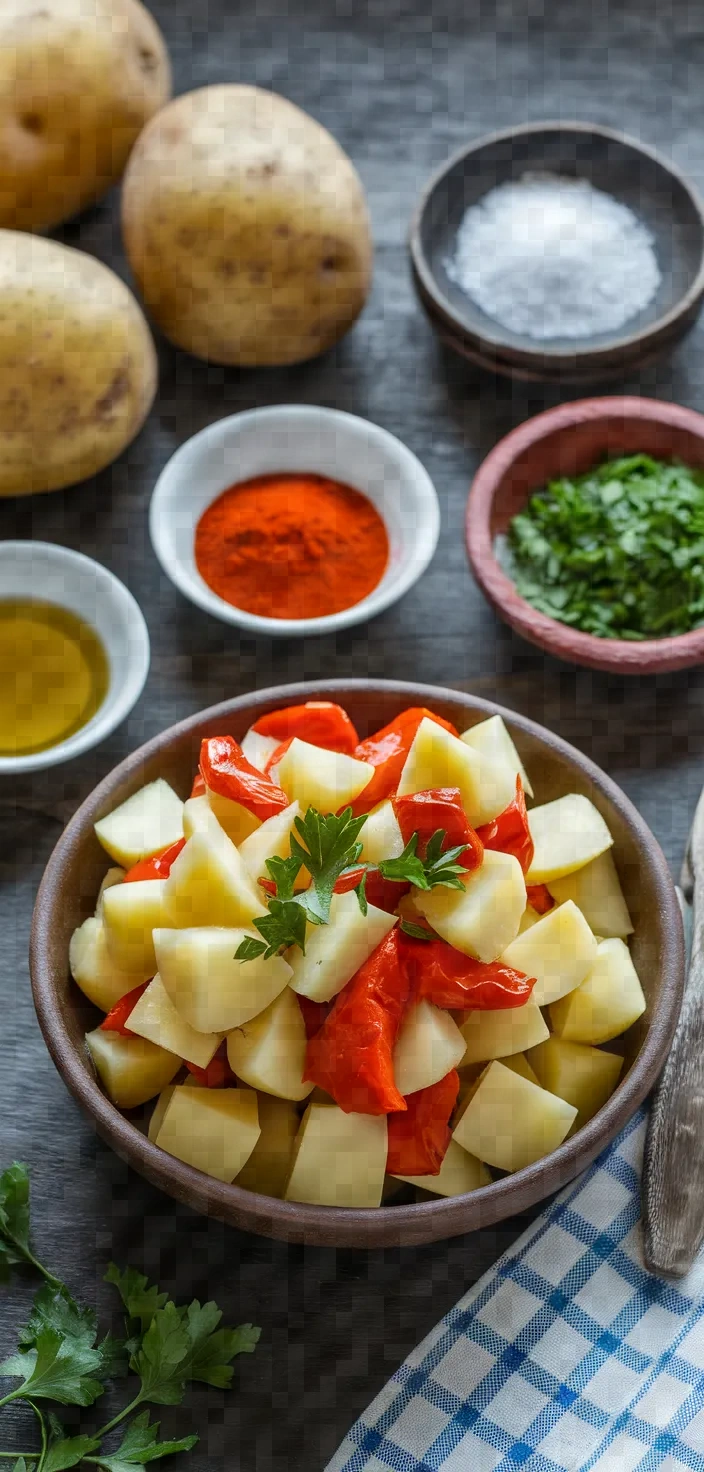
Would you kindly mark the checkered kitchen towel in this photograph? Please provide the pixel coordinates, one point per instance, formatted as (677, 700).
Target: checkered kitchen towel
(567, 1356)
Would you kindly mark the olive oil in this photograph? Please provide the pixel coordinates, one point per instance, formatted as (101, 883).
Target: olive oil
(53, 675)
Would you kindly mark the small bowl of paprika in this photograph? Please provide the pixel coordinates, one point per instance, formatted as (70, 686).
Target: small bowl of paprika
(294, 520)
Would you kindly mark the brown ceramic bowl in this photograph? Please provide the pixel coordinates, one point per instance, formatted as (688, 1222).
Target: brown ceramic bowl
(67, 895)
(569, 440)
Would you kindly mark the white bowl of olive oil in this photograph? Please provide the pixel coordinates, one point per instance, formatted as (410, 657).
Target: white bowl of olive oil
(74, 654)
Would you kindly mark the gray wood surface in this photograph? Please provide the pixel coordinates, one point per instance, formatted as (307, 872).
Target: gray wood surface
(401, 83)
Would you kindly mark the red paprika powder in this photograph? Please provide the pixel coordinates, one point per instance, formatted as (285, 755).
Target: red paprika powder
(291, 546)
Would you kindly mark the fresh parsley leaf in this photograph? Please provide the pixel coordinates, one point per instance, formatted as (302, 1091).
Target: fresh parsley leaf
(15, 1244)
(250, 949)
(436, 868)
(361, 893)
(68, 1452)
(140, 1445)
(418, 932)
(57, 1368)
(406, 866)
(211, 1348)
(285, 925)
(20, 1465)
(54, 1308)
(140, 1298)
(161, 1358)
(188, 1344)
(284, 873)
(330, 847)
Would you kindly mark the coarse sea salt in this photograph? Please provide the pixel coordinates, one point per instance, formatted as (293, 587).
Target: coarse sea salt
(548, 256)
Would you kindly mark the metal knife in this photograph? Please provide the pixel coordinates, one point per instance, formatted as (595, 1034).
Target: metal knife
(673, 1167)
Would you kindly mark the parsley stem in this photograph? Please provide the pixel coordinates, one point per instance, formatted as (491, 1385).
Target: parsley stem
(42, 1427)
(49, 1277)
(28, 1456)
(138, 1400)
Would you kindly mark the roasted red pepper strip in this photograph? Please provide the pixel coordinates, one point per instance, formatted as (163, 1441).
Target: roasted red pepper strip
(276, 755)
(118, 1015)
(226, 771)
(418, 1138)
(383, 893)
(218, 1074)
(540, 898)
(158, 866)
(509, 833)
(387, 750)
(447, 978)
(439, 807)
(352, 1055)
(198, 787)
(314, 1014)
(320, 722)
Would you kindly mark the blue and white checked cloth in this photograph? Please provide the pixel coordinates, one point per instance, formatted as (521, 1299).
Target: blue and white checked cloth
(567, 1356)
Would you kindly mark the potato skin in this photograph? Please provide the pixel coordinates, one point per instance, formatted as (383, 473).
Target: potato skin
(77, 365)
(78, 81)
(246, 228)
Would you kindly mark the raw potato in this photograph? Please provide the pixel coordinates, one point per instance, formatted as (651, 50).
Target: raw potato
(198, 817)
(70, 406)
(509, 1122)
(269, 1165)
(567, 834)
(155, 1017)
(130, 914)
(93, 968)
(209, 885)
(438, 759)
(131, 1070)
(339, 1159)
(529, 918)
(214, 1130)
(115, 875)
(596, 890)
(326, 780)
(482, 918)
(159, 1111)
(246, 228)
(558, 952)
(236, 820)
(270, 1051)
(518, 1063)
(583, 1076)
(209, 988)
(428, 1047)
(608, 1001)
(271, 840)
(78, 81)
(334, 952)
(150, 820)
(258, 748)
(381, 836)
(497, 1034)
(491, 738)
(459, 1173)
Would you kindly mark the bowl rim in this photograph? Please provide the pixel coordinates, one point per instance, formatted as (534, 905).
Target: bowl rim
(620, 656)
(493, 343)
(337, 1226)
(418, 487)
(125, 694)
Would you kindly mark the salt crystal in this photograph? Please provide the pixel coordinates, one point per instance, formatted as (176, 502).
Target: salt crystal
(549, 256)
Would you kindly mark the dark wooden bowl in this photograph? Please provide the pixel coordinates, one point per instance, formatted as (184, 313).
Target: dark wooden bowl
(569, 440)
(70, 884)
(655, 191)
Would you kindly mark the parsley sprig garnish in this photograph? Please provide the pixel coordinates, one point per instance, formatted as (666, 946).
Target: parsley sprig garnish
(60, 1359)
(436, 868)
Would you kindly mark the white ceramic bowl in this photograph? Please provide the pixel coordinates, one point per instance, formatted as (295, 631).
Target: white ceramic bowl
(57, 575)
(296, 437)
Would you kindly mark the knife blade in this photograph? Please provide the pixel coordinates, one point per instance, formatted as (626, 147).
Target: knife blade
(673, 1166)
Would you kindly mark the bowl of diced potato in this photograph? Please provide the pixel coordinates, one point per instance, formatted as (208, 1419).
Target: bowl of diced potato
(358, 963)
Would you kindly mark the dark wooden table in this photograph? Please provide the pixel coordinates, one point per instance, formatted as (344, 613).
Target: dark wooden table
(401, 83)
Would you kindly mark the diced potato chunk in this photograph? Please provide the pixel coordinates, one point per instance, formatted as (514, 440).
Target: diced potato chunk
(272, 840)
(490, 1035)
(491, 739)
(510, 1122)
(209, 988)
(326, 780)
(439, 759)
(198, 817)
(609, 1000)
(148, 821)
(235, 820)
(518, 1063)
(269, 1165)
(214, 1130)
(258, 748)
(115, 875)
(270, 1051)
(339, 1159)
(596, 891)
(429, 1046)
(483, 917)
(155, 1017)
(131, 1070)
(381, 836)
(558, 952)
(567, 834)
(159, 1111)
(209, 885)
(130, 914)
(336, 951)
(93, 968)
(529, 918)
(584, 1076)
(459, 1173)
